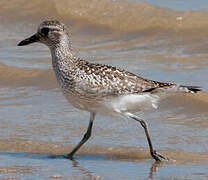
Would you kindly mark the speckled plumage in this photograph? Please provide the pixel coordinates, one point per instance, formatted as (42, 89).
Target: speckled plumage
(93, 84)
(98, 88)
(95, 79)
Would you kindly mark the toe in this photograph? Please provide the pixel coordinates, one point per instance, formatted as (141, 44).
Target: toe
(159, 157)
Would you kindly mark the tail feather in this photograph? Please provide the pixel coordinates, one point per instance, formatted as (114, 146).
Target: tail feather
(165, 91)
(189, 89)
(173, 88)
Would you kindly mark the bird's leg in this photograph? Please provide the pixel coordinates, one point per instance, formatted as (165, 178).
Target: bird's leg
(85, 137)
(157, 156)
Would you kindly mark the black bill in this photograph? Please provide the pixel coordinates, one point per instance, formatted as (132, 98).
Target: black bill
(29, 40)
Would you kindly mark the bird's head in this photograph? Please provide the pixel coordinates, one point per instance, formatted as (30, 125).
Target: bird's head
(50, 33)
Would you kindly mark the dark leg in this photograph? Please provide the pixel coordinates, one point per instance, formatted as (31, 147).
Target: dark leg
(157, 156)
(85, 137)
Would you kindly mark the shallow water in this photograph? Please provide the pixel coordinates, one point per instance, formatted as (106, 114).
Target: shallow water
(38, 126)
(181, 5)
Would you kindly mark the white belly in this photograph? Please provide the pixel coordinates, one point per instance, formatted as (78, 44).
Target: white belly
(115, 106)
(130, 103)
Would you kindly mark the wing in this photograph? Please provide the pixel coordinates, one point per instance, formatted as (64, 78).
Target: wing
(98, 79)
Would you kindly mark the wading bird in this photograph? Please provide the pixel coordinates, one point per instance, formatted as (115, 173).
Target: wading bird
(100, 89)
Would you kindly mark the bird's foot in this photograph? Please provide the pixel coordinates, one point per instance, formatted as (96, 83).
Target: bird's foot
(159, 157)
(69, 156)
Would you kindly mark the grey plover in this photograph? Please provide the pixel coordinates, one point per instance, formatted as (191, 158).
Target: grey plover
(101, 89)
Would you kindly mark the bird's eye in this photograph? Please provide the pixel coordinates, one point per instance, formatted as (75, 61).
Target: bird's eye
(44, 31)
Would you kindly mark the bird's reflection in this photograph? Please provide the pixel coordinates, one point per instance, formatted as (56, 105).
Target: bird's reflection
(83, 170)
(152, 171)
(76, 164)
(154, 168)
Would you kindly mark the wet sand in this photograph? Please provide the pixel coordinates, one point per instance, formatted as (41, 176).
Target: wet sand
(38, 126)
(44, 157)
